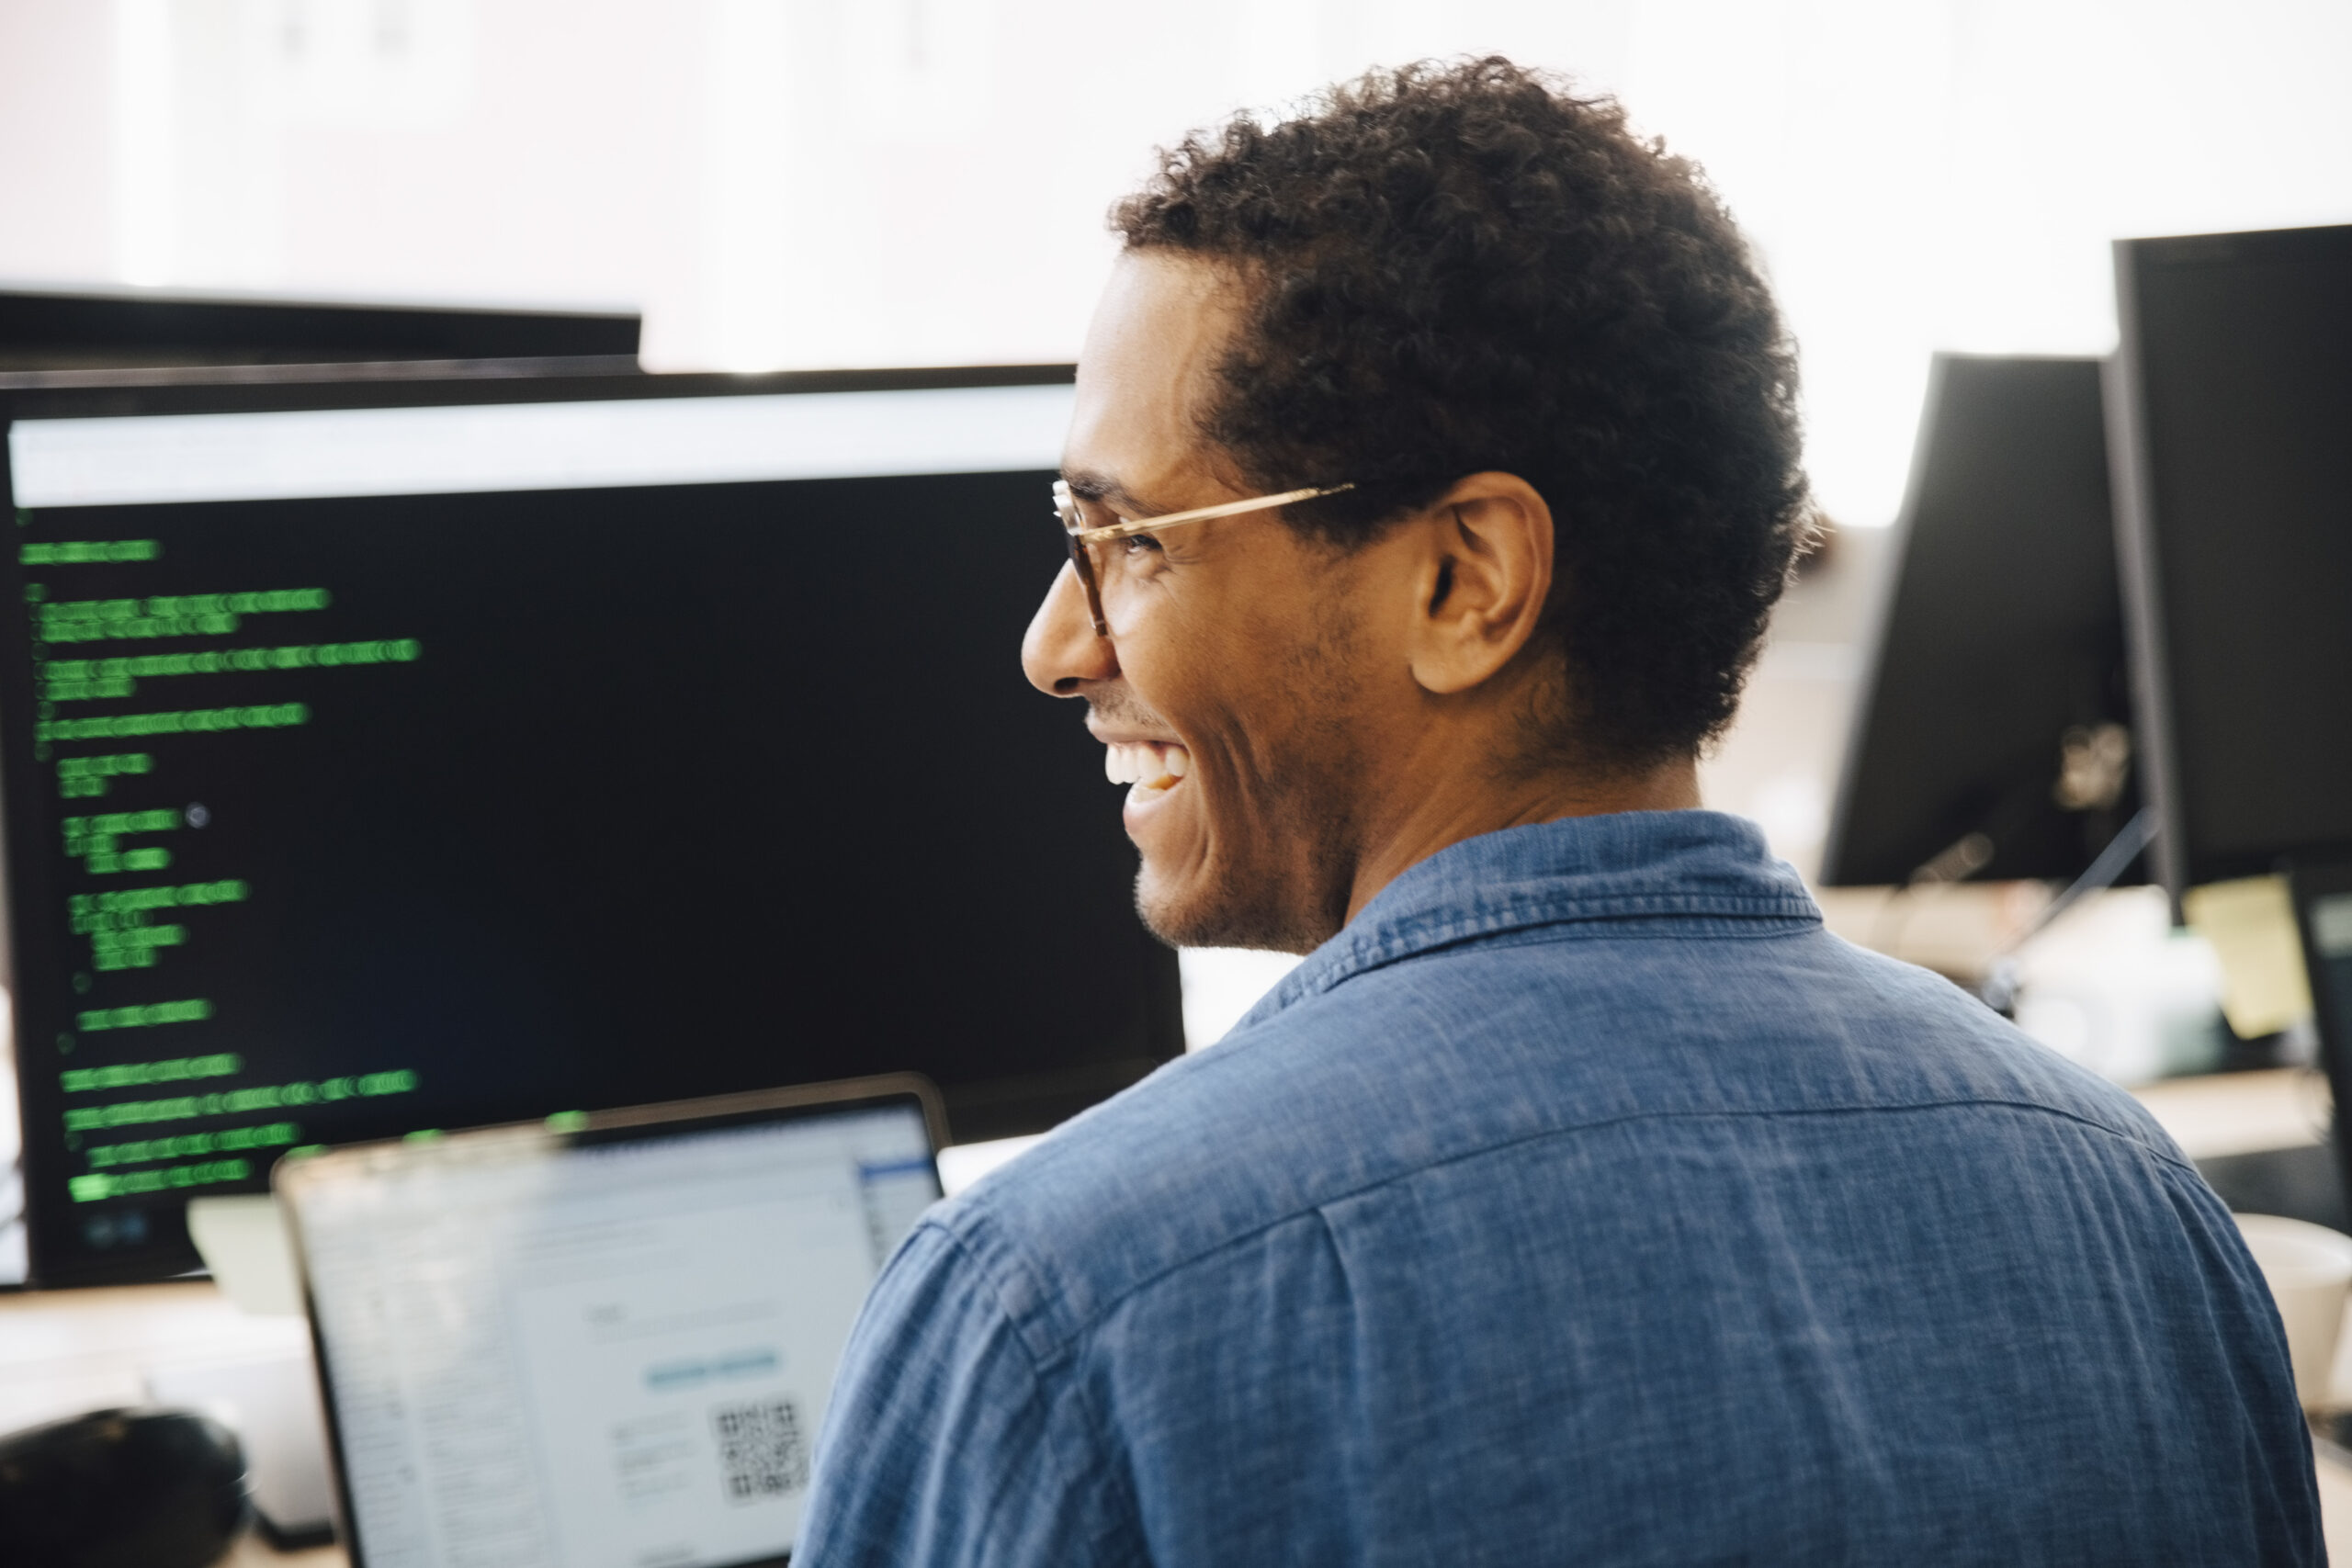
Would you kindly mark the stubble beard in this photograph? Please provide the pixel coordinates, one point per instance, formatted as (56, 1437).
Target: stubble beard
(1284, 875)
(1256, 900)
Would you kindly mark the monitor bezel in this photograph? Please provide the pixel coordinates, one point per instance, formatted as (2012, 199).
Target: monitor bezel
(81, 335)
(286, 388)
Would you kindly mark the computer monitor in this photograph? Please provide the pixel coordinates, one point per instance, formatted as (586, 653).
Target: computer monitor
(463, 754)
(1993, 736)
(2229, 403)
(59, 336)
(2323, 894)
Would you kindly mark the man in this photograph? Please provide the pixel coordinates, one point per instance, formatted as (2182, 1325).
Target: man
(1579, 1199)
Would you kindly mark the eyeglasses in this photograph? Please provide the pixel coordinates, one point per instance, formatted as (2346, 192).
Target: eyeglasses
(1082, 539)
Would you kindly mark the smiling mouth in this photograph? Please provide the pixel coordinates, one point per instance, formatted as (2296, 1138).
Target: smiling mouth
(1153, 767)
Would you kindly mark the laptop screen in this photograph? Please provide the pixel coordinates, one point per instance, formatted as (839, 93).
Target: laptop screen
(604, 1354)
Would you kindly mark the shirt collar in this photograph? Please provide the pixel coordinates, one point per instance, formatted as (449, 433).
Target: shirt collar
(1692, 868)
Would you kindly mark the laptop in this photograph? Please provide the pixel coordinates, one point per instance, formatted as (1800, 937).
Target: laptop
(604, 1340)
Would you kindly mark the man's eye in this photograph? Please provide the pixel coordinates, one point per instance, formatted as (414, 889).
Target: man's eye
(1139, 543)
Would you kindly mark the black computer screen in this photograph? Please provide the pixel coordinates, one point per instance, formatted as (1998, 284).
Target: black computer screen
(1997, 703)
(2235, 397)
(2323, 897)
(342, 815)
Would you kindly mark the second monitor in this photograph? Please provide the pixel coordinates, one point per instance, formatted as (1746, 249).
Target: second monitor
(1993, 737)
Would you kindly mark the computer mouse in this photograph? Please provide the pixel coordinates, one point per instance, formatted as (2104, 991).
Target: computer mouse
(121, 1489)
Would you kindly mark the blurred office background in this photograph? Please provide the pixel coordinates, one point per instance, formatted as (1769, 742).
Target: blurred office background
(841, 183)
(804, 182)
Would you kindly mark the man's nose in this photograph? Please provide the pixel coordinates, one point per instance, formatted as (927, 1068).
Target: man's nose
(1060, 653)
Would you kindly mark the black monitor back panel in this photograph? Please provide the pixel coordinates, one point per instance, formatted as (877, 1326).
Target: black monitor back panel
(2323, 894)
(2232, 400)
(98, 329)
(1996, 700)
(339, 818)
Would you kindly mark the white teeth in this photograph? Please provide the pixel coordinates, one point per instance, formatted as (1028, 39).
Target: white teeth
(1153, 769)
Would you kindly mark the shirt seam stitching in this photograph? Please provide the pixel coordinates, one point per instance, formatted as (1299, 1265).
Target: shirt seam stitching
(1316, 1210)
(992, 1253)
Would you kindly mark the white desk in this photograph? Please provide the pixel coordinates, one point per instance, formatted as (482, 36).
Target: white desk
(2241, 1113)
(66, 1351)
(253, 1552)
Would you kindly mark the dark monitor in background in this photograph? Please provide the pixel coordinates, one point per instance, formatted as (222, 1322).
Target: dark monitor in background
(2323, 893)
(467, 754)
(1993, 737)
(57, 337)
(2231, 408)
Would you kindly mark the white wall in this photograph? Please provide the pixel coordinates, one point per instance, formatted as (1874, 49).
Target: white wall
(1948, 174)
(834, 182)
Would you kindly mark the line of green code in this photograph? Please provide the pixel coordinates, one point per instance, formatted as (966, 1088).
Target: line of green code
(91, 679)
(195, 721)
(238, 1101)
(143, 1151)
(138, 1075)
(146, 1015)
(187, 614)
(90, 552)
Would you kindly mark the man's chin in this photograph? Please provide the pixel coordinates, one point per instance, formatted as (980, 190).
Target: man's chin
(1200, 913)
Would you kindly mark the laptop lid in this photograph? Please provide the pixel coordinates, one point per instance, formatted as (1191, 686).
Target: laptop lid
(606, 1340)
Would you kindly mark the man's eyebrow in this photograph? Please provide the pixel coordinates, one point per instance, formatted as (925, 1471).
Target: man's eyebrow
(1088, 485)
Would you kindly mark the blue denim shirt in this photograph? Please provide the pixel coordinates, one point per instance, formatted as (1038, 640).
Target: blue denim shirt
(1582, 1202)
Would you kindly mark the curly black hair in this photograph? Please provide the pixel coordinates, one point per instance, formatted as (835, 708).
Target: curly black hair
(1465, 268)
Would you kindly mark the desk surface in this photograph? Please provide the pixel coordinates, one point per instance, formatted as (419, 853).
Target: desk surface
(253, 1552)
(62, 1352)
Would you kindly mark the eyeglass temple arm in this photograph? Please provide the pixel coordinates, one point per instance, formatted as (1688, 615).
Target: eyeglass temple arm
(1201, 514)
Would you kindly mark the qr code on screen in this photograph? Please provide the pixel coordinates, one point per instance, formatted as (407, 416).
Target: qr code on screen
(762, 1448)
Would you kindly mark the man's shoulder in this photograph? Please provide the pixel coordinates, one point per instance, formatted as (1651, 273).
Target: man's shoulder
(1212, 1148)
(1482, 1047)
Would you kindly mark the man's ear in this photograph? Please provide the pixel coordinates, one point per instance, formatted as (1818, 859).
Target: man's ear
(1484, 574)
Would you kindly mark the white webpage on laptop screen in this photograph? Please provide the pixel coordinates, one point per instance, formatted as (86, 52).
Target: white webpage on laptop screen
(615, 1356)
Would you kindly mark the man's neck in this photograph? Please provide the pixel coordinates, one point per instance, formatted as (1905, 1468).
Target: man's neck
(1440, 818)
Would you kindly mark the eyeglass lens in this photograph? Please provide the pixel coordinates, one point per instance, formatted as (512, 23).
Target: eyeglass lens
(1081, 555)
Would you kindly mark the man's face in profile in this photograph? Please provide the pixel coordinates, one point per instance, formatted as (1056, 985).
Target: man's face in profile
(1226, 689)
